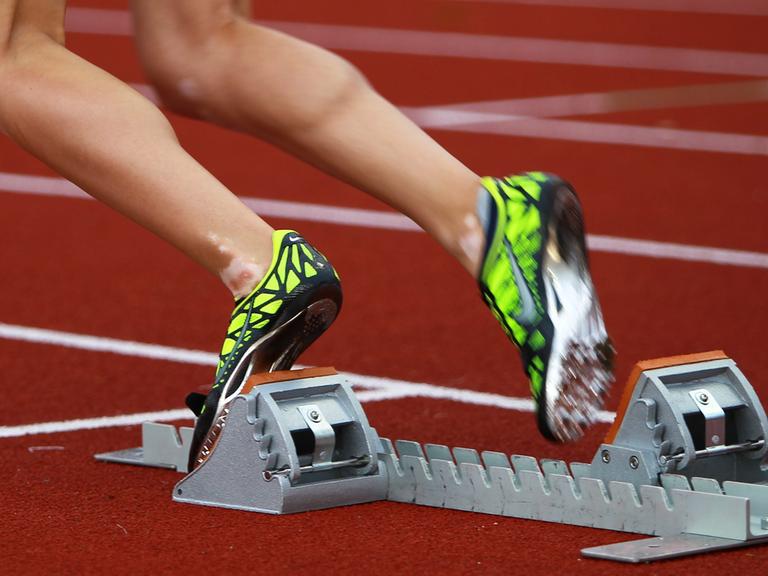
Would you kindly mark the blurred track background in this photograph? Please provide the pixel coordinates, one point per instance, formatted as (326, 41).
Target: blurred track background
(657, 112)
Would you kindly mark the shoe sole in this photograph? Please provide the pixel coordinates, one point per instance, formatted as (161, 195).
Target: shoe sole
(579, 373)
(276, 350)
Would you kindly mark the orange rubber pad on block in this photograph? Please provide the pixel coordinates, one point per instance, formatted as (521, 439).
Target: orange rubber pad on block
(641, 367)
(283, 375)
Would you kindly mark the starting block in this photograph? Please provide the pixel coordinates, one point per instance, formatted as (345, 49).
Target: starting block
(684, 461)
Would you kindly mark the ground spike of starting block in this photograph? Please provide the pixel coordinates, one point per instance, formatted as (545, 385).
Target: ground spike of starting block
(683, 461)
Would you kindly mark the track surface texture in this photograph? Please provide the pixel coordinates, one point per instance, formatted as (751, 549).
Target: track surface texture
(668, 183)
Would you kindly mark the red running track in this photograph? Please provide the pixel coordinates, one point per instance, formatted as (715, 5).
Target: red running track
(74, 266)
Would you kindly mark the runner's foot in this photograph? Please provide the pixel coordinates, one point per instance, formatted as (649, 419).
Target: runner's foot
(535, 279)
(296, 301)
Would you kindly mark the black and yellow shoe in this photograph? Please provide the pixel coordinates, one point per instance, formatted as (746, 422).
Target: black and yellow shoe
(535, 278)
(296, 301)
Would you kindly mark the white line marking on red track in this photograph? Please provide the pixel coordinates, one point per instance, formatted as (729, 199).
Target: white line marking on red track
(607, 133)
(50, 186)
(93, 423)
(459, 45)
(331, 214)
(104, 344)
(670, 250)
(592, 103)
(512, 117)
(731, 7)
(380, 388)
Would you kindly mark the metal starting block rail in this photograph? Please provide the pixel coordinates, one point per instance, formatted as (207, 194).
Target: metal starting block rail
(684, 461)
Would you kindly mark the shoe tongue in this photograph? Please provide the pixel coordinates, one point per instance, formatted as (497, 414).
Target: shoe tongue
(485, 211)
(487, 214)
(195, 402)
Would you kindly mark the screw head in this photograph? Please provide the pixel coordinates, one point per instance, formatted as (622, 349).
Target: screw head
(605, 456)
(634, 462)
(314, 415)
(703, 398)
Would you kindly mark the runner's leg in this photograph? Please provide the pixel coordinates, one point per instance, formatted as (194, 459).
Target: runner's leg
(118, 147)
(209, 62)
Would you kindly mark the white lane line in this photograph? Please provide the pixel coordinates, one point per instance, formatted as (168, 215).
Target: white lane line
(392, 389)
(98, 21)
(730, 7)
(104, 344)
(513, 117)
(460, 45)
(607, 133)
(592, 103)
(670, 250)
(379, 388)
(79, 424)
(53, 186)
(330, 214)
(93, 423)
(50, 186)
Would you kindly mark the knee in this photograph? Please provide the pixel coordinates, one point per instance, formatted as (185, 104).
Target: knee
(174, 78)
(178, 64)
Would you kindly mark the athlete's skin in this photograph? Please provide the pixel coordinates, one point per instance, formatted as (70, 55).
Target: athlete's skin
(207, 60)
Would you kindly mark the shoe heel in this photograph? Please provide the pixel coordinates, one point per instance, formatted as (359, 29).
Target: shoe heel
(301, 332)
(298, 333)
(567, 227)
(279, 352)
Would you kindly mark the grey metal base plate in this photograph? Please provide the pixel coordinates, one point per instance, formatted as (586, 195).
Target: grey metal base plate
(662, 548)
(162, 446)
(134, 456)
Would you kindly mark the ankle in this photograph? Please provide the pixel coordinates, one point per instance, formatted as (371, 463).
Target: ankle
(241, 270)
(464, 238)
(241, 276)
(470, 241)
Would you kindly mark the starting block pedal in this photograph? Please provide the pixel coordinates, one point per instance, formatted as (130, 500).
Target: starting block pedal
(292, 441)
(684, 461)
(290, 445)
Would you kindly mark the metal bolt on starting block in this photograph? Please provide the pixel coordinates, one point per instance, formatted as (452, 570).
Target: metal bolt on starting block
(684, 461)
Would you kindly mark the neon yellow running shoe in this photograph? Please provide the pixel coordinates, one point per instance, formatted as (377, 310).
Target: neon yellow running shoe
(296, 301)
(535, 279)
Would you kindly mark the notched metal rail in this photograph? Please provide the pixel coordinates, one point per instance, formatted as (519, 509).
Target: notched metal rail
(551, 491)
